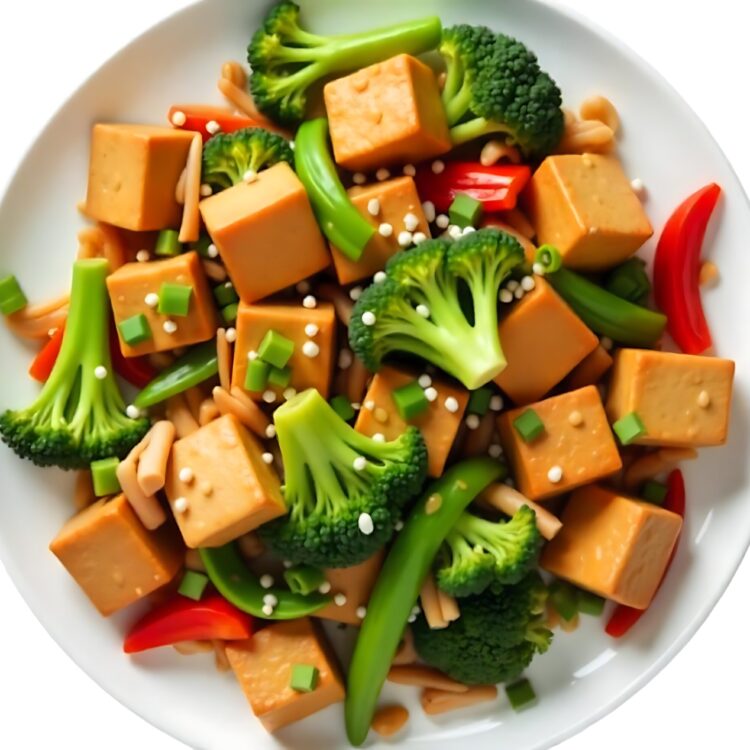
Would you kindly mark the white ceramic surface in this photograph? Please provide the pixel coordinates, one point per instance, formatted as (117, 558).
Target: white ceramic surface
(586, 674)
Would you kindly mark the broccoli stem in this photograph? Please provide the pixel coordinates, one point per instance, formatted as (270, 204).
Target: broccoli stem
(458, 105)
(479, 126)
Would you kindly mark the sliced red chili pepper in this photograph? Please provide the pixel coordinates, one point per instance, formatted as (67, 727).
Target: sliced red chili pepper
(182, 619)
(41, 367)
(197, 117)
(136, 370)
(497, 187)
(623, 618)
(677, 269)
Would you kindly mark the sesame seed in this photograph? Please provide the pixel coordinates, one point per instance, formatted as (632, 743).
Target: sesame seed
(424, 380)
(270, 432)
(428, 208)
(339, 600)
(528, 283)
(575, 418)
(310, 349)
(151, 299)
(472, 421)
(100, 372)
(555, 473)
(505, 296)
(212, 251)
(409, 170)
(419, 238)
(451, 404)
(213, 127)
(423, 310)
(398, 525)
(369, 405)
(132, 412)
(270, 599)
(495, 450)
(381, 415)
(358, 178)
(359, 463)
(355, 293)
(186, 475)
(430, 394)
(345, 359)
(252, 355)
(468, 230)
(230, 335)
(518, 294)
(142, 256)
(290, 393)
(411, 618)
(356, 405)
(266, 581)
(442, 221)
(373, 207)
(379, 437)
(411, 221)
(638, 187)
(438, 166)
(382, 174)
(267, 458)
(496, 403)
(704, 399)
(324, 587)
(512, 285)
(310, 302)
(385, 230)
(416, 609)
(361, 612)
(269, 396)
(311, 330)
(179, 118)
(267, 610)
(432, 504)
(250, 176)
(169, 326)
(454, 231)
(303, 287)
(606, 342)
(180, 505)
(405, 239)
(379, 277)
(366, 526)
(368, 318)
(206, 190)
(538, 269)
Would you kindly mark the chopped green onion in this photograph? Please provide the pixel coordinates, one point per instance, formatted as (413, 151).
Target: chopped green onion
(12, 298)
(193, 585)
(564, 598)
(410, 400)
(104, 476)
(174, 299)
(548, 256)
(135, 330)
(479, 401)
(229, 313)
(256, 376)
(275, 349)
(590, 604)
(520, 694)
(629, 428)
(225, 294)
(304, 579)
(654, 492)
(465, 211)
(280, 376)
(528, 425)
(168, 243)
(343, 407)
(304, 678)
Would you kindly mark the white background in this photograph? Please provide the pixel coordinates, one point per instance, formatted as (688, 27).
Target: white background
(700, 700)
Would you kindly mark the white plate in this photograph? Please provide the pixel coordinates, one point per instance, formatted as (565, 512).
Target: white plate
(586, 674)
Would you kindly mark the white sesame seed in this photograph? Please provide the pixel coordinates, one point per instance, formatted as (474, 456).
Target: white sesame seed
(100, 372)
(398, 525)
(409, 170)
(411, 619)
(206, 190)
(704, 399)
(143, 256)
(252, 355)
(505, 296)
(416, 609)
(186, 475)
(382, 174)
(538, 269)
(528, 283)
(270, 599)
(179, 118)
(270, 431)
(495, 450)
(442, 220)
(151, 299)
(424, 380)
(451, 404)
(359, 463)
(438, 166)
(230, 335)
(356, 405)
(267, 610)
(169, 326)
(454, 231)
(405, 239)
(411, 221)
(373, 207)
(310, 302)
(606, 342)
(345, 359)
(266, 581)
(132, 412)
(379, 437)
(379, 277)
(496, 403)
(472, 421)
(369, 404)
(311, 330)
(555, 474)
(310, 349)
(290, 393)
(213, 251)
(324, 587)
(368, 318)
(423, 311)
(431, 394)
(638, 187)
(267, 458)
(355, 293)
(512, 285)
(428, 208)
(385, 230)
(518, 294)
(339, 600)
(213, 127)
(361, 612)
(180, 505)
(366, 526)
(575, 418)
(419, 238)
(468, 229)
(269, 396)
(358, 178)
(303, 287)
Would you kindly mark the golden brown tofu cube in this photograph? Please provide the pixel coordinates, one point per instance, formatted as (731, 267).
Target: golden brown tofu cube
(134, 290)
(590, 370)
(356, 584)
(311, 367)
(113, 557)
(388, 202)
(266, 233)
(388, 113)
(231, 491)
(133, 173)
(264, 664)
(575, 448)
(613, 545)
(439, 423)
(585, 207)
(683, 400)
(543, 340)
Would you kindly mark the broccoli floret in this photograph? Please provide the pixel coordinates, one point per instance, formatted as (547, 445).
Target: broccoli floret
(332, 476)
(498, 634)
(494, 85)
(478, 552)
(228, 157)
(286, 59)
(79, 416)
(439, 302)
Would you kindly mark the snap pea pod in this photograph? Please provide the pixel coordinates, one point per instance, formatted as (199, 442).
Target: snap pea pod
(240, 586)
(195, 366)
(339, 220)
(399, 582)
(603, 312)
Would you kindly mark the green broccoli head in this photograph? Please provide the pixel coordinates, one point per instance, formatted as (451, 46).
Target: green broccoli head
(333, 475)
(439, 302)
(286, 59)
(79, 416)
(499, 88)
(228, 157)
(478, 553)
(495, 639)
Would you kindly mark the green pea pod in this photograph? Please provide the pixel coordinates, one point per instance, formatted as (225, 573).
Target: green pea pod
(197, 365)
(399, 582)
(239, 585)
(339, 220)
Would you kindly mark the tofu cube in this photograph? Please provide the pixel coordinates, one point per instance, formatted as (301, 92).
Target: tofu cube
(113, 557)
(438, 424)
(232, 490)
(585, 207)
(356, 584)
(394, 200)
(133, 173)
(575, 448)
(263, 666)
(590, 370)
(266, 233)
(131, 284)
(683, 400)
(543, 340)
(385, 114)
(254, 321)
(613, 545)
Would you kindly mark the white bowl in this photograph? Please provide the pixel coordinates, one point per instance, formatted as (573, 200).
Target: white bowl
(586, 674)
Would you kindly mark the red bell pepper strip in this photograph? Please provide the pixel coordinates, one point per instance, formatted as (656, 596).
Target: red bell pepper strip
(623, 618)
(43, 363)
(197, 117)
(497, 187)
(136, 370)
(677, 268)
(182, 619)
